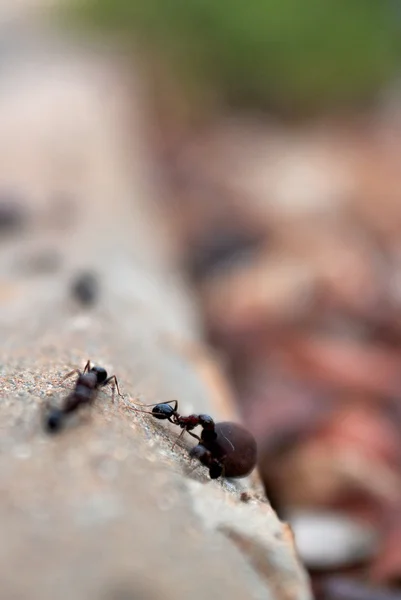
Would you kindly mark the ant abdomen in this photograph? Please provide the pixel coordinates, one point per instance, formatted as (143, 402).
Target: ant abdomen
(54, 420)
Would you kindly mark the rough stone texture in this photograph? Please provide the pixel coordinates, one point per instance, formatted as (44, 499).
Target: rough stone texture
(107, 510)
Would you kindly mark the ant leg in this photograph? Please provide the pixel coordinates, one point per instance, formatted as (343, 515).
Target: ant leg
(157, 404)
(172, 402)
(87, 367)
(194, 435)
(145, 412)
(78, 371)
(190, 433)
(166, 402)
(175, 402)
(179, 437)
(72, 373)
(114, 385)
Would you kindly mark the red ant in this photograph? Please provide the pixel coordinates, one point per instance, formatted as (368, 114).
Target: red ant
(169, 410)
(88, 383)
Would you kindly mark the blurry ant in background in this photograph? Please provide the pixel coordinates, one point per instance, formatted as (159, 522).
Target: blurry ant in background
(169, 411)
(85, 288)
(86, 387)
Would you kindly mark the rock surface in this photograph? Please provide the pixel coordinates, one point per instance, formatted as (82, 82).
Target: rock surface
(107, 510)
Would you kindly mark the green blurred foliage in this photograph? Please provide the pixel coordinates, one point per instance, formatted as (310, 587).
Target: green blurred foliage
(290, 55)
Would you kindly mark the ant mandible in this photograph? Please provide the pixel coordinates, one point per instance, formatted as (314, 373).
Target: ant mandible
(88, 383)
(169, 411)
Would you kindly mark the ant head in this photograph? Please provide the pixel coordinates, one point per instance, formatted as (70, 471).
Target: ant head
(163, 411)
(101, 374)
(206, 422)
(216, 469)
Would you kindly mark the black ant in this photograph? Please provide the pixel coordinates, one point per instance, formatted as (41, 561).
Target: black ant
(88, 383)
(169, 411)
(230, 452)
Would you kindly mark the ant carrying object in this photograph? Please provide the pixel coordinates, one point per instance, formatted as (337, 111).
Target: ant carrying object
(88, 383)
(230, 452)
(169, 410)
(226, 449)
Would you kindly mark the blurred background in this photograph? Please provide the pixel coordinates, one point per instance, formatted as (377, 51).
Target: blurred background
(274, 131)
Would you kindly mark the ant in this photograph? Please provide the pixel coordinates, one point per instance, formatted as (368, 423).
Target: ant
(85, 288)
(88, 383)
(169, 410)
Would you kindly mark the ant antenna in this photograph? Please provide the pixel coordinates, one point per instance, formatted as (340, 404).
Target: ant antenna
(131, 405)
(178, 438)
(157, 403)
(145, 412)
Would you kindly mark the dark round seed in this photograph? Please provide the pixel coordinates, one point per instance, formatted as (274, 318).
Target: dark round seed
(235, 446)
